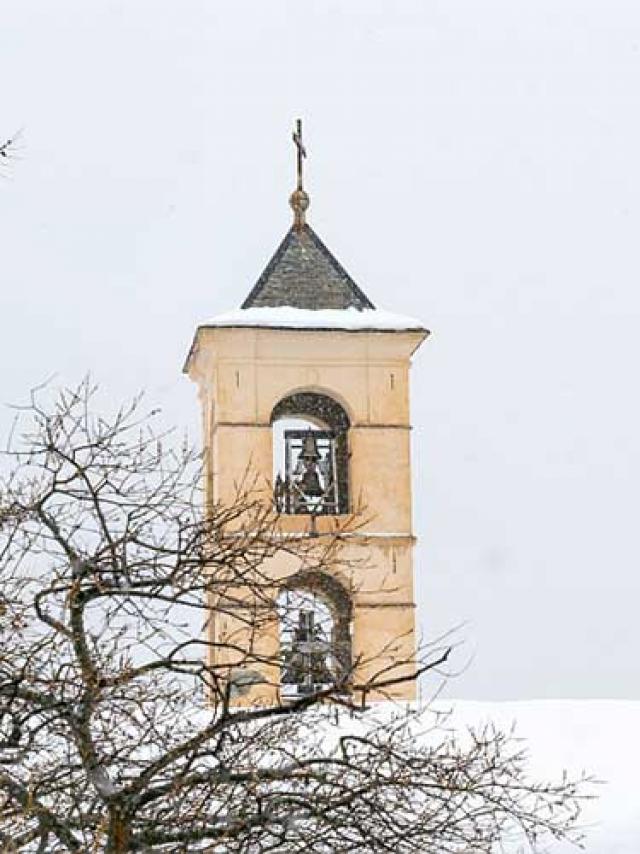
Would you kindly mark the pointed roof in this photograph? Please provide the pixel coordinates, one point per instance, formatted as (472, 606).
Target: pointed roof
(304, 274)
(304, 287)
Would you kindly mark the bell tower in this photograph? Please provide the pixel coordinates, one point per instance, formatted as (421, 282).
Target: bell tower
(307, 384)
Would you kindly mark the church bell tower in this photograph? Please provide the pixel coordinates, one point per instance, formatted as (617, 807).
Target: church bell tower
(308, 385)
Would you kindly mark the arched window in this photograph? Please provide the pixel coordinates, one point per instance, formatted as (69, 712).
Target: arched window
(314, 613)
(310, 450)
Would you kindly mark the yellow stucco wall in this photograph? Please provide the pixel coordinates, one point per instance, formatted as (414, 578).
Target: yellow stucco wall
(241, 375)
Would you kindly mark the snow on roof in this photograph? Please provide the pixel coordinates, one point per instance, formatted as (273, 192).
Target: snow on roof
(287, 317)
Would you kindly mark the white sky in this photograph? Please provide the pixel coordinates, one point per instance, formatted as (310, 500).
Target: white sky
(473, 164)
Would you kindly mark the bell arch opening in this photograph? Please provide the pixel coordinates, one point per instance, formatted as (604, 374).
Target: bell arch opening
(310, 455)
(314, 617)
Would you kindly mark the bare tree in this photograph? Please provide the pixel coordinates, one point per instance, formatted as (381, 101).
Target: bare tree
(119, 731)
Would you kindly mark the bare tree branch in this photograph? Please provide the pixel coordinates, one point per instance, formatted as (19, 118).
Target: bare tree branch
(120, 725)
(9, 149)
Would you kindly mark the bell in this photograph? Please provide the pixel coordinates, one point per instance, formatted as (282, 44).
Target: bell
(310, 482)
(309, 452)
(307, 481)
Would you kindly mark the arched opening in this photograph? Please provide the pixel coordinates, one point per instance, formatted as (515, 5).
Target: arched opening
(310, 455)
(314, 614)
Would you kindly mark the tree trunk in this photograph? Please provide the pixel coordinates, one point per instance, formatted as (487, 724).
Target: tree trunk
(119, 833)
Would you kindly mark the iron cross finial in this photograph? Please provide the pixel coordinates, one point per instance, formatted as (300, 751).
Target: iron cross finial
(299, 200)
(301, 151)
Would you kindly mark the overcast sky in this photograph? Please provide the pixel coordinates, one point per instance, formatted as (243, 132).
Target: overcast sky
(476, 164)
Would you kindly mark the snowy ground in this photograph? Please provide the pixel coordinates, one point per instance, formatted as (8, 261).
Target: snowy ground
(599, 736)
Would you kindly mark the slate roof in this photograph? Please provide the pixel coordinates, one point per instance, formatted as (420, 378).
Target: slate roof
(304, 274)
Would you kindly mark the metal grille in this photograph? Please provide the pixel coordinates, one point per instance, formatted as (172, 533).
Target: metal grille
(311, 482)
(306, 640)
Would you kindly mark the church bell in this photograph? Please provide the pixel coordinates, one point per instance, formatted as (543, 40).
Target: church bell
(309, 456)
(309, 453)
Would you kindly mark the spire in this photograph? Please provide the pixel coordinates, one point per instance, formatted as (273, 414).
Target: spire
(299, 200)
(303, 273)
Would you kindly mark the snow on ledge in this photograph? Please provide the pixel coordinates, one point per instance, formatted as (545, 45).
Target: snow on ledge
(287, 317)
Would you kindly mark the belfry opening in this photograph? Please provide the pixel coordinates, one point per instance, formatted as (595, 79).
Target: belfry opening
(314, 614)
(311, 455)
